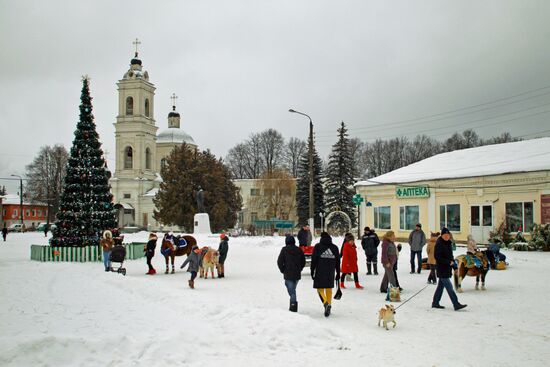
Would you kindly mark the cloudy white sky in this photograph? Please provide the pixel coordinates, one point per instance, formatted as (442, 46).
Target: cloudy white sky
(239, 65)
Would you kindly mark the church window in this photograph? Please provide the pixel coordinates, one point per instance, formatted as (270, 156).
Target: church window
(128, 158)
(147, 158)
(146, 107)
(163, 163)
(129, 106)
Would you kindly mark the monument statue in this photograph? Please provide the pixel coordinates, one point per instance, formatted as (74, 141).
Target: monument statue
(200, 201)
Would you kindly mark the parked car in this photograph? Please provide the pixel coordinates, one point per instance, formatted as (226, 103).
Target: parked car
(15, 227)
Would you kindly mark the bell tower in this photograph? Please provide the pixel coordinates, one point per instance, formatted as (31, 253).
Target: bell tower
(135, 130)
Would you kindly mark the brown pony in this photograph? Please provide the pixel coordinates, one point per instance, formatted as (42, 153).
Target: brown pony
(168, 250)
(462, 270)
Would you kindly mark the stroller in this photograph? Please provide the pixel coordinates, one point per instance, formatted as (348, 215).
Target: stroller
(118, 254)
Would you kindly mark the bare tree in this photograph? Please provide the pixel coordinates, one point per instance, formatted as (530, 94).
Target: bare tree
(236, 161)
(295, 148)
(271, 148)
(357, 150)
(278, 195)
(45, 176)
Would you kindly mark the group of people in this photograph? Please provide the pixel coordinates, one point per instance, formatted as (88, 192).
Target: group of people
(329, 266)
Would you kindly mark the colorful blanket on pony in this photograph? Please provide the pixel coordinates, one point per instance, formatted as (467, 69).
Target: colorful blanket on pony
(474, 261)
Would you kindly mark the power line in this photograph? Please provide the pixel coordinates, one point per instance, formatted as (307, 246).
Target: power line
(396, 123)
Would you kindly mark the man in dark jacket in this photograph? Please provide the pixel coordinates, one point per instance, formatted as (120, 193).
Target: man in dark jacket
(150, 252)
(291, 261)
(223, 248)
(325, 269)
(370, 242)
(304, 236)
(444, 262)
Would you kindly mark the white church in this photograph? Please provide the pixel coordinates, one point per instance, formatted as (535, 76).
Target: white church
(140, 150)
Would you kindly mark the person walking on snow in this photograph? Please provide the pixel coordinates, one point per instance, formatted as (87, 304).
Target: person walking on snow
(291, 261)
(444, 262)
(389, 259)
(370, 242)
(430, 249)
(223, 248)
(417, 240)
(304, 236)
(4, 232)
(325, 269)
(107, 244)
(193, 261)
(349, 261)
(150, 252)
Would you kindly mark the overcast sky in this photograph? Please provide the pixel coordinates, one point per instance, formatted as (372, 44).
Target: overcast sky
(238, 66)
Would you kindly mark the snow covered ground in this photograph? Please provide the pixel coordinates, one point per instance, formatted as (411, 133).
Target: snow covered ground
(71, 314)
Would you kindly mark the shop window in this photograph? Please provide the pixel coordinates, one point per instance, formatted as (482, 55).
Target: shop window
(409, 217)
(382, 217)
(128, 158)
(449, 216)
(254, 192)
(519, 217)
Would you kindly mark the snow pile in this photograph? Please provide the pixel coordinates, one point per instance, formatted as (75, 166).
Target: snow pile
(523, 156)
(75, 314)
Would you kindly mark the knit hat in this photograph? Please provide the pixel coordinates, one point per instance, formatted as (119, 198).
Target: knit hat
(289, 240)
(445, 230)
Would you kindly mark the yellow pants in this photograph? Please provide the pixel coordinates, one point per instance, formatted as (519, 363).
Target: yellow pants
(326, 294)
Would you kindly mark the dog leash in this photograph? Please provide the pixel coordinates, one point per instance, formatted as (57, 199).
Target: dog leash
(411, 297)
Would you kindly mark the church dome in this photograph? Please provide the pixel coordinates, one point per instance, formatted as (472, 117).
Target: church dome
(174, 135)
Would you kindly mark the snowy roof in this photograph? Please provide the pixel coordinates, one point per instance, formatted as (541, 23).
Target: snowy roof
(523, 156)
(174, 135)
(12, 199)
(151, 192)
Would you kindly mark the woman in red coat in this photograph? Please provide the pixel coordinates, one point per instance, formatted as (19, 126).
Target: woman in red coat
(349, 261)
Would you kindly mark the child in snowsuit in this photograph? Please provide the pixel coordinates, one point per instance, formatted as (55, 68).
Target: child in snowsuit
(107, 244)
(193, 261)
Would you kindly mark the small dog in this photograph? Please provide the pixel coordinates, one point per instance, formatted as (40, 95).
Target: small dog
(395, 294)
(209, 262)
(387, 315)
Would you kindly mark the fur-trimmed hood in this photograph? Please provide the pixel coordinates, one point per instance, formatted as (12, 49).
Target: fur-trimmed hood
(107, 234)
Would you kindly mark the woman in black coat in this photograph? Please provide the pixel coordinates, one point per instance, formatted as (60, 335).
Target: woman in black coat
(325, 269)
(444, 260)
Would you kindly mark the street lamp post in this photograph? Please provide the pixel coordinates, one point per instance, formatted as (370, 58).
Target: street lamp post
(20, 198)
(310, 153)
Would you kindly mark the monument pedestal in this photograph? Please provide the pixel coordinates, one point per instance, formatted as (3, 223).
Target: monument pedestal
(201, 223)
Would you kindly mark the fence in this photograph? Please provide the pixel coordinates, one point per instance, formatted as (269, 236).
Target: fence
(134, 251)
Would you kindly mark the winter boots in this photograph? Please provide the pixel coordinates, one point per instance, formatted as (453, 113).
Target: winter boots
(342, 285)
(151, 271)
(375, 266)
(191, 284)
(327, 309)
(358, 286)
(293, 307)
(369, 269)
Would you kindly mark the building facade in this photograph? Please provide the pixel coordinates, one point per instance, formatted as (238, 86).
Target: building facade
(266, 200)
(33, 213)
(140, 150)
(472, 191)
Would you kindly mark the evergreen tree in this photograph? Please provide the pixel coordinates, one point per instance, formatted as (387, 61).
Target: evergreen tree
(185, 171)
(340, 177)
(302, 189)
(86, 207)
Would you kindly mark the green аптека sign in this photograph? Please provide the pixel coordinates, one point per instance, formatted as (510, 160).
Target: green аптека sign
(412, 192)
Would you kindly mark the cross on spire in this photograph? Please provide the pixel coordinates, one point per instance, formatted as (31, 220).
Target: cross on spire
(173, 97)
(136, 43)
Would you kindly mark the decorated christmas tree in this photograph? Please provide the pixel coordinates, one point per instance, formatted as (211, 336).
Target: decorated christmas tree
(86, 207)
